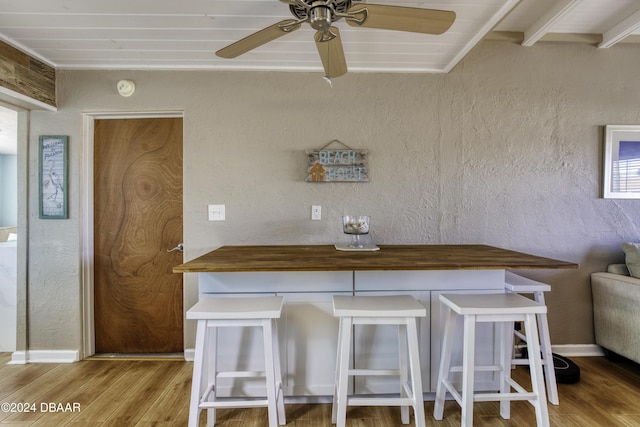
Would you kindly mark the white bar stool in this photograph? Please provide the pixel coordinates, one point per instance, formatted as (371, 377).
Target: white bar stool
(213, 313)
(504, 309)
(401, 310)
(522, 285)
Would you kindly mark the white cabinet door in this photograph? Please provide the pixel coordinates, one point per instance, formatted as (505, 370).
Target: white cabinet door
(486, 345)
(309, 337)
(376, 347)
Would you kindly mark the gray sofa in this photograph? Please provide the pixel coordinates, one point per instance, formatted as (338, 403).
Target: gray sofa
(5, 231)
(616, 311)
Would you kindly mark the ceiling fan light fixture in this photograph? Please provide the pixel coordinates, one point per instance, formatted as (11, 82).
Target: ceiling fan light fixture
(320, 18)
(300, 8)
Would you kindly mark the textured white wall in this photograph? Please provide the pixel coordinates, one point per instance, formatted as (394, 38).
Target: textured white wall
(504, 150)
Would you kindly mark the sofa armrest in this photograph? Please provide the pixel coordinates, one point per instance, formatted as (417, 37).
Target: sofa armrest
(616, 299)
(613, 279)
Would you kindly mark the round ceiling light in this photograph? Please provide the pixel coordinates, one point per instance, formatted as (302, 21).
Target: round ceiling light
(126, 87)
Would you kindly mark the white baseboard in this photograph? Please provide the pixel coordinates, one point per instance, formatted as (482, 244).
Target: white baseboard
(44, 356)
(18, 358)
(578, 350)
(189, 354)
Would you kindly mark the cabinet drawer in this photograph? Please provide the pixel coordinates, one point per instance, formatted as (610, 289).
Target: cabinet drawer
(259, 282)
(428, 280)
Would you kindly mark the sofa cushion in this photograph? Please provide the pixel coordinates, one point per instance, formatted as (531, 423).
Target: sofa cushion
(618, 269)
(632, 258)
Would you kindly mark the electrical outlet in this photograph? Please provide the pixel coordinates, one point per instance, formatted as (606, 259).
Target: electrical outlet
(216, 212)
(316, 213)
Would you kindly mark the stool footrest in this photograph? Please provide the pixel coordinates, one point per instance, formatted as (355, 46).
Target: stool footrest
(521, 394)
(235, 403)
(374, 372)
(525, 362)
(242, 374)
(380, 401)
(487, 368)
(494, 397)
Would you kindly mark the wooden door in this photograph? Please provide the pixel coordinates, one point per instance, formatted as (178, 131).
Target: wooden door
(137, 217)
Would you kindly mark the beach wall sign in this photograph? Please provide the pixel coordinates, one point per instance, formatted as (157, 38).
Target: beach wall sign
(343, 165)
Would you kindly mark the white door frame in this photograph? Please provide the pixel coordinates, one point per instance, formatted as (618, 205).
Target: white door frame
(86, 214)
(19, 355)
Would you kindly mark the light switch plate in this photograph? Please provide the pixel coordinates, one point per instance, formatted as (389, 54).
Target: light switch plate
(216, 212)
(316, 213)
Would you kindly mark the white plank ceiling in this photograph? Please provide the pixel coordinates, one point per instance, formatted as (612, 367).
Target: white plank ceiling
(153, 34)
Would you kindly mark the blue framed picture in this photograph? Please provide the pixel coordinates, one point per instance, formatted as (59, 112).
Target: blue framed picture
(52, 171)
(621, 162)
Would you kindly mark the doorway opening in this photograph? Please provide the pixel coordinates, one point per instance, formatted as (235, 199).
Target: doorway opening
(8, 228)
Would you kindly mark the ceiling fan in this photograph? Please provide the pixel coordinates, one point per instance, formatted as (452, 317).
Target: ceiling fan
(321, 14)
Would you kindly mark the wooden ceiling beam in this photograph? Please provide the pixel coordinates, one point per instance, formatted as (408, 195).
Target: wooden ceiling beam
(546, 22)
(504, 10)
(518, 37)
(621, 30)
(26, 79)
(584, 38)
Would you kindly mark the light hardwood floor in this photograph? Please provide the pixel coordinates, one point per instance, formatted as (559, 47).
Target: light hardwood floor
(156, 393)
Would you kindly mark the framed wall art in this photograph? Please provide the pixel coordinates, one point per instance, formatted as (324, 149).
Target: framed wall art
(621, 162)
(52, 171)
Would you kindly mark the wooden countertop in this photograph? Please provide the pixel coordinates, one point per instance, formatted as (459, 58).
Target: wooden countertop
(389, 257)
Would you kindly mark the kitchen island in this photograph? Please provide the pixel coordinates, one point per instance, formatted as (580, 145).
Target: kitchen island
(309, 275)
